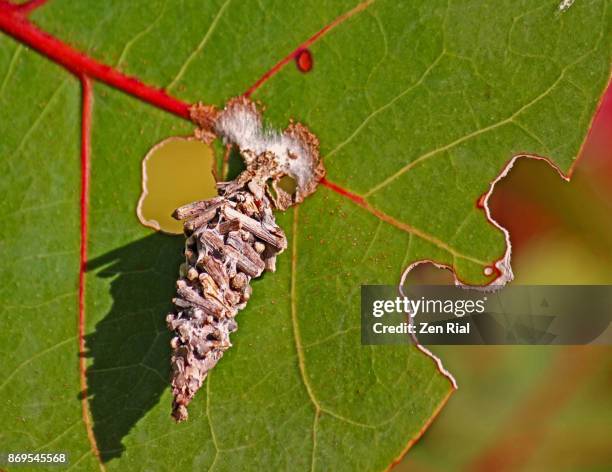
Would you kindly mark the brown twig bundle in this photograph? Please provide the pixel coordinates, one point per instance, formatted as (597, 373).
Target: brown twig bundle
(232, 238)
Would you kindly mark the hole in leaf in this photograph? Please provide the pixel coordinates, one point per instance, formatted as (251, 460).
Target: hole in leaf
(174, 172)
(233, 166)
(288, 184)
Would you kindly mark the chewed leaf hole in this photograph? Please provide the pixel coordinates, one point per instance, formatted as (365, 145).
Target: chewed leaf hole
(174, 172)
(288, 184)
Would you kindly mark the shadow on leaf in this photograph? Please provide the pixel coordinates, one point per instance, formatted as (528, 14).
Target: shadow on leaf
(130, 345)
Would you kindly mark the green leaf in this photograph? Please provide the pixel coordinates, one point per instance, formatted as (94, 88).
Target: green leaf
(418, 107)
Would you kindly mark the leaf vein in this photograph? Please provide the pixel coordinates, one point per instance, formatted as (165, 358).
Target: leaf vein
(467, 137)
(386, 105)
(128, 45)
(39, 118)
(299, 347)
(210, 425)
(200, 46)
(11, 68)
(33, 358)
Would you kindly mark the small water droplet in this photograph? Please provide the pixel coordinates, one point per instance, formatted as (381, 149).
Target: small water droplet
(303, 60)
(488, 271)
(175, 171)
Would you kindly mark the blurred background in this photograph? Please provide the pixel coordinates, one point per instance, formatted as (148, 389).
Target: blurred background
(535, 408)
